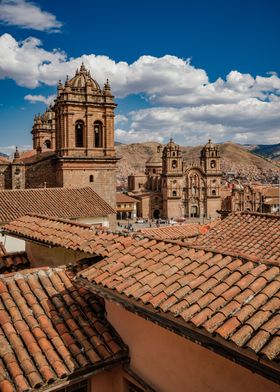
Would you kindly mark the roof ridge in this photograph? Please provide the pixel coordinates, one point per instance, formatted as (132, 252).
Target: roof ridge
(63, 220)
(28, 190)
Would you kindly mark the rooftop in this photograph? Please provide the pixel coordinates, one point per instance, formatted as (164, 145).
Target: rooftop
(173, 232)
(13, 261)
(251, 235)
(45, 337)
(123, 198)
(203, 292)
(59, 202)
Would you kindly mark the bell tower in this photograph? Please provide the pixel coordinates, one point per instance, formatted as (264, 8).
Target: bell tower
(172, 180)
(85, 147)
(210, 161)
(43, 130)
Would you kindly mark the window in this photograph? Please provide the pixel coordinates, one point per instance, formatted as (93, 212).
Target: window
(213, 164)
(174, 193)
(174, 164)
(97, 134)
(79, 128)
(78, 387)
(91, 178)
(47, 144)
(213, 192)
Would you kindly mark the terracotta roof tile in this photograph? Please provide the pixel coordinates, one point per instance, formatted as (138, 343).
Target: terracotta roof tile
(224, 295)
(173, 232)
(59, 202)
(251, 235)
(42, 338)
(13, 261)
(231, 296)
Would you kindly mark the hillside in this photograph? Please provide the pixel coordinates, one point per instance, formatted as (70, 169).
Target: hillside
(235, 158)
(271, 151)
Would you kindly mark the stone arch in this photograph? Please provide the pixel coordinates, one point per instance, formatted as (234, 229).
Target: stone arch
(79, 133)
(97, 134)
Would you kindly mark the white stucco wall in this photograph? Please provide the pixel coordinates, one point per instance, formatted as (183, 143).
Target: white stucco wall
(12, 244)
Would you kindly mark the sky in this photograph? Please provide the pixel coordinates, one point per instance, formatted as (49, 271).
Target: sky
(187, 69)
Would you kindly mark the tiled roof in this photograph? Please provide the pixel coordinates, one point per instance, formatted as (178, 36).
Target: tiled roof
(52, 231)
(123, 198)
(32, 156)
(252, 235)
(60, 202)
(218, 292)
(222, 295)
(173, 232)
(15, 261)
(49, 330)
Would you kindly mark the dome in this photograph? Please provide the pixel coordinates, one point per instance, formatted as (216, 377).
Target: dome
(210, 144)
(83, 79)
(171, 145)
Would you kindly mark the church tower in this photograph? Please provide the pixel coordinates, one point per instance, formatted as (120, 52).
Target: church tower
(172, 180)
(43, 130)
(85, 135)
(210, 161)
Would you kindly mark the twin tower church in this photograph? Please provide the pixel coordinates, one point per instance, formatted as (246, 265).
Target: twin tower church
(73, 146)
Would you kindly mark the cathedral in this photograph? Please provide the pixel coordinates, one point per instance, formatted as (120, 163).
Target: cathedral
(171, 189)
(73, 142)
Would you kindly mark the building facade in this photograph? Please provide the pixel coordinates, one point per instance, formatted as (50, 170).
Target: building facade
(254, 198)
(73, 142)
(171, 189)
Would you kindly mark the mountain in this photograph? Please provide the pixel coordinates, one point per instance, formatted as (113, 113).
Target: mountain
(271, 151)
(234, 158)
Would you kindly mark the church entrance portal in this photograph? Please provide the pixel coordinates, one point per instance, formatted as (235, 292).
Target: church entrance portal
(194, 212)
(156, 214)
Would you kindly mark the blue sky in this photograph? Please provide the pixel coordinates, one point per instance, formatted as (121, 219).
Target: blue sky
(188, 69)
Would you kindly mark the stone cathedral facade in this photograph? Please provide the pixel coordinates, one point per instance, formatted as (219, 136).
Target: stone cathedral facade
(73, 142)
(171, 189)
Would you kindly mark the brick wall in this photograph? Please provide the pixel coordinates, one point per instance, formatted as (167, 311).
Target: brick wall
(40, 174)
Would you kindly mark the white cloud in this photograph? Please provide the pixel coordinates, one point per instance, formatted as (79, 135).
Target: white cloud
(40, 98)
(9, 150)
(27, 15)
(120, 119)
(248, 121)
(182, 101)
(24, 61)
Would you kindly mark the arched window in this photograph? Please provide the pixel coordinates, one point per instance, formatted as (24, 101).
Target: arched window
(174, 164)
(174, 193)
(47, 144)
(79, 134)
(213, 192)
(91, 178)
(213, 164)
(97, 134)
(154, 170)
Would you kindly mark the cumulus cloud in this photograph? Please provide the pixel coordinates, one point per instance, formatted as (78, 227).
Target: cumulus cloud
(248, 121)
(27, 15)
(40, 98)
(182, 101)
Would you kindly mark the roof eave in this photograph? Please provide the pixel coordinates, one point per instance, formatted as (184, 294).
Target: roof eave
(244, 357)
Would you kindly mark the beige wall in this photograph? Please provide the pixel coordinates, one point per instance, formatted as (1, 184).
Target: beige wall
(171, 363)
(41, 256)
(113, 380)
